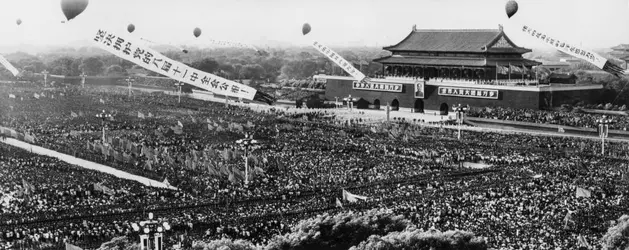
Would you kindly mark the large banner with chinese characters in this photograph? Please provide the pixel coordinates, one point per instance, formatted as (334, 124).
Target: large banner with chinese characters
(570, 49)
(137, 52)
(388, 87)
(469, 92)
(565, 47)
(340, 61)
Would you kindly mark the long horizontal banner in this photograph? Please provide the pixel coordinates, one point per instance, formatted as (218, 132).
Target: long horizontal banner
(233, 44)
(8, 66)
(340, 61)
(571, 49)
(388, 87)
(138, 53)
(469, 92)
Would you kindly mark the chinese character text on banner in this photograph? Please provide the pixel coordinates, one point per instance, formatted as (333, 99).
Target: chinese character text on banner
(138, 53)
(340, 61)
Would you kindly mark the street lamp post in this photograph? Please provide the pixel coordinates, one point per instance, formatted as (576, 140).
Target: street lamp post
(460, 113)
(248, 144)
(603, 131)
(178, 85)
(83, 76)
(350, 102)
(104, 116)
(45, 72)
(150, 228)
(130, 80)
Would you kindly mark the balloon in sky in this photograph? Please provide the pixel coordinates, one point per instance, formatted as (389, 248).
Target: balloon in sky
(131, 28)
(196, 32)
(511, 8)
(305, 29)
(72, 8)
(19, 21)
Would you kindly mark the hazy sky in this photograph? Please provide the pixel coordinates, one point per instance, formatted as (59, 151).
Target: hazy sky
(592, 23)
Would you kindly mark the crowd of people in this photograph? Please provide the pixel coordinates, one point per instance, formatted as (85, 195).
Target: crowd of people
(574, 119)
(522, 196)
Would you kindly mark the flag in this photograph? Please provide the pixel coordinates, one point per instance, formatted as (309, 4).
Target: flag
(29, 138)
(179, 124)
(581, 192)
(102, 101)
(27, 187)
(583, 242)
(514, 68)
(561, 130)
(140, 115)
(232, 179)
(104, 189)
(338, 203)
(72, 247)
(352, 197)
(73, 114)
(36, 96)
(177, 130)
(501, 69)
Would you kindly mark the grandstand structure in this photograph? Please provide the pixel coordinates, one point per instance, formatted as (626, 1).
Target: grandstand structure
(431, 70)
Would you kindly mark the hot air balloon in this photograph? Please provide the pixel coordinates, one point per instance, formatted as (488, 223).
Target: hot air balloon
(305, 29)
(196, 32)
(72, 8)
(131, 28)
(511, 8)
(19, 21)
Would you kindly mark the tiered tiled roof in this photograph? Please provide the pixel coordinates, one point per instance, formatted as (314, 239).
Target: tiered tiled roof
(480, 41)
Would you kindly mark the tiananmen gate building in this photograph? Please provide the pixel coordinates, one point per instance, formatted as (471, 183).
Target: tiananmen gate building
(431, 70)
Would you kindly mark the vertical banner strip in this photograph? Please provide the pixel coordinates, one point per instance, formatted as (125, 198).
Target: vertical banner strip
(138, 53)
(8, 66)
(340, 61)
(570, 49)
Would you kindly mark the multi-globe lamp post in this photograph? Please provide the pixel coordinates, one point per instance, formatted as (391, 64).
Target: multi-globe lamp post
(130, 80)
(178, 85)
(460, 114)
(248, 144)
(45, 73)
(603, 131)
(104, 116)
(151, 229)
(83, 76)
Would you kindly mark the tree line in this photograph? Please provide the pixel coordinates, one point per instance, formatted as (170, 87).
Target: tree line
(285, 66)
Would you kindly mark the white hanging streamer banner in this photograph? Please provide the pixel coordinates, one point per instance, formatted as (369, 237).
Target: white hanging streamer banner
(340, 61)
(169, 44)
(9, 66)
(233, 44)
(138, 53)
(569, 49)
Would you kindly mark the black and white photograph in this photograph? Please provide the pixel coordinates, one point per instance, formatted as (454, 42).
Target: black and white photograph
(302, 124)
